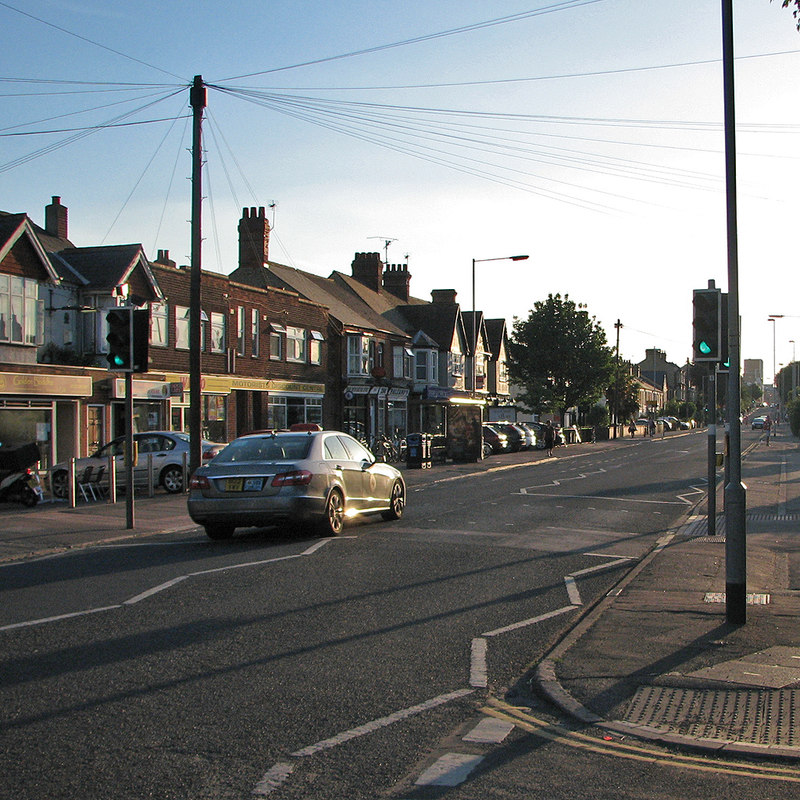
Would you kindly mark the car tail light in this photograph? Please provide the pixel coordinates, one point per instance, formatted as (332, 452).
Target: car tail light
(207, 454)
(297, 477)
(199, 482)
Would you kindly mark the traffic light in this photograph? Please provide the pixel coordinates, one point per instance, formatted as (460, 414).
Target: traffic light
(707, 325)
(128, 339)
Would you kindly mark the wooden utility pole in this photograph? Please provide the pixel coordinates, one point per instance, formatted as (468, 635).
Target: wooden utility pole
(197, 100)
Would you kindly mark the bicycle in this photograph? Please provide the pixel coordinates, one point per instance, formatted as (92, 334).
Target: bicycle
(384, 450)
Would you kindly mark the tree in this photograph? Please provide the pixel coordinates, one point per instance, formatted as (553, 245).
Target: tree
(559, 356)
(627, 404)
(795, 11)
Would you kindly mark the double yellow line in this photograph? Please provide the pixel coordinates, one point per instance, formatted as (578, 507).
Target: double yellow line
(526, 721)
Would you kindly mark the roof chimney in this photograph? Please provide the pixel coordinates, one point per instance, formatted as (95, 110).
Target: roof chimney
(55, 219)
(396, 280)
(253, 239)
(164, 260)
(443, 296)
(367, 269)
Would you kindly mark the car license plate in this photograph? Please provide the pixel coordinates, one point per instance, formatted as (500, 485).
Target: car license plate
(243, 484)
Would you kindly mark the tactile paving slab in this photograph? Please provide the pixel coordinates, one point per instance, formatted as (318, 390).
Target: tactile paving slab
(754, 716)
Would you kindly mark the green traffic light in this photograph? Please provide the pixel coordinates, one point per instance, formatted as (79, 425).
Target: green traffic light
(704, 348)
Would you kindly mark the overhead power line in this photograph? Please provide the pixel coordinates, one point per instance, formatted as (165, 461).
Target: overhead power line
(563, 6)
(87, 40)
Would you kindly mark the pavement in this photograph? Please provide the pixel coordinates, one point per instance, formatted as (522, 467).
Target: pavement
(655, 658)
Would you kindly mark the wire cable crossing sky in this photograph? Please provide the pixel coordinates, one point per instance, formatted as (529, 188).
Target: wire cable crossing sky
(587, 133)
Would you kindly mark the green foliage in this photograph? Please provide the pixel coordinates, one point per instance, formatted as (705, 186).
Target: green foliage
(598, 416)
(627, 404)
(793, 411)
(795, 10)
(559, 356)
(686, 411)
(751, 394)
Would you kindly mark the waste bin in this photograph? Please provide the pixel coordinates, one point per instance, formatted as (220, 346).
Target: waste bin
(418, 451)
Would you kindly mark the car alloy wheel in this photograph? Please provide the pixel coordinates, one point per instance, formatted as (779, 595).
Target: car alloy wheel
(333, 519)
(397, 502)
(172, 479)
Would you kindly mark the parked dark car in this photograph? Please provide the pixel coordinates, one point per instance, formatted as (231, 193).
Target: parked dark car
(516, 436)
(494, 438)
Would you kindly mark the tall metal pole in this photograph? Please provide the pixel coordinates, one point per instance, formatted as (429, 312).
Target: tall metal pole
(130, 520)
(197, 100)
(615, 410)
(735, 490)
(712, 451)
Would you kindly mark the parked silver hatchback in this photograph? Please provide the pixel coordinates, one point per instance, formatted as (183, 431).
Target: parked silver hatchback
(293, 478)
(165, 449)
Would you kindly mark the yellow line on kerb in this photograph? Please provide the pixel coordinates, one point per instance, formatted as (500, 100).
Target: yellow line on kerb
(558, 733)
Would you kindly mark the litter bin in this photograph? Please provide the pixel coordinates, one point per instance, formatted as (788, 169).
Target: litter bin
(418, 451)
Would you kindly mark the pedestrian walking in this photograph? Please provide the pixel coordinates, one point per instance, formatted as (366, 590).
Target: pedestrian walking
(767, 428)
(549, 438)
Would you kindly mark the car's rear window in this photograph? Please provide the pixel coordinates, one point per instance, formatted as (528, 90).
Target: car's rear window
(266, 448)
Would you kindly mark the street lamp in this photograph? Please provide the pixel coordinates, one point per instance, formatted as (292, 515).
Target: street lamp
(773, 318)
(474, 312)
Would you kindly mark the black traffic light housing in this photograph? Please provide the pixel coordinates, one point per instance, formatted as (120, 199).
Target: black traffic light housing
(707, 325)
(128, 339)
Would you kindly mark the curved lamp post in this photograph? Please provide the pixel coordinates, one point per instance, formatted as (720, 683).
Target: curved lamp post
(474, 313)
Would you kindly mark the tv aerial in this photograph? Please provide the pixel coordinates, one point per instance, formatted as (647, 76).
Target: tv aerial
(387, 240)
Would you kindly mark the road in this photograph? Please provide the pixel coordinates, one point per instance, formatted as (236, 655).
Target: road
(184, 668)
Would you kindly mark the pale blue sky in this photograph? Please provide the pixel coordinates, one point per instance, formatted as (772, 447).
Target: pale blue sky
(621, 206)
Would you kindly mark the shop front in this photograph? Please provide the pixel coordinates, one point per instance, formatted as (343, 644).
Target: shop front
(372, 411)
(43, 408)
(232, 406)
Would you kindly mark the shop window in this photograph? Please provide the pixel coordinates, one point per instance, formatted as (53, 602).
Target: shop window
(358, 349)
(240, 317)
(295, 344)
(217, 332)
(315, 347)
(181, 328)
(276, 332)
(254, 323)
(159, 324)
(427, 366)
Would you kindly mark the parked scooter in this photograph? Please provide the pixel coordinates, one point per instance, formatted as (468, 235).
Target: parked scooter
(18, 482)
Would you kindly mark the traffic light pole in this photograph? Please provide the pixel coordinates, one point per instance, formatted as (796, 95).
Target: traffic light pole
(735, 490)
(712, 451)
(129, 514)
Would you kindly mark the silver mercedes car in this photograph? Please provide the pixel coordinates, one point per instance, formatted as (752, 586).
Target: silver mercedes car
(293, 478)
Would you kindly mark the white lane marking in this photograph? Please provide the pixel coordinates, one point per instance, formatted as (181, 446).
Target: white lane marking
(489, 731)
(478, 674)
(273, 778)
(383, 722)
(533, 621)
(572, 591)
(168, 584)
(450, 770)
(58, 618)
(601, 497)
(600, 567)
(154, 590)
